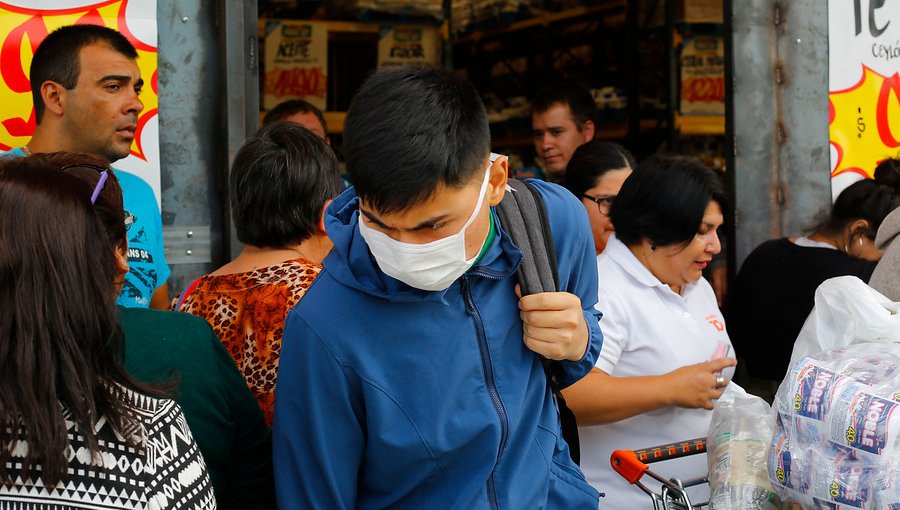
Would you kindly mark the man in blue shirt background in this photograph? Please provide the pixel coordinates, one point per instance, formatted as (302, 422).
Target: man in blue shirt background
(85, 84)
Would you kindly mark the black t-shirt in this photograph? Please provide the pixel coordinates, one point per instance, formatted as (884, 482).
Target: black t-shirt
(773, 295)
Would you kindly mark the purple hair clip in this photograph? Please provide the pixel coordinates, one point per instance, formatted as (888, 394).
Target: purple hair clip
(99, 187)
(104, 175)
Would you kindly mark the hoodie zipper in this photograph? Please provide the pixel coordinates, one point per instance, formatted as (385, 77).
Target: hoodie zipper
(488, 370)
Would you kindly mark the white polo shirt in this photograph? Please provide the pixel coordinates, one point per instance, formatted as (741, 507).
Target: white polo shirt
(649, 330)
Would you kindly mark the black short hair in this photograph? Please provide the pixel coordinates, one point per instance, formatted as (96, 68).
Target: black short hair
(291, 107)
(280, 180)
(664, 200)
(591, 161)
(410, 129)
(576, 97)
(869, 199)
(56, 59)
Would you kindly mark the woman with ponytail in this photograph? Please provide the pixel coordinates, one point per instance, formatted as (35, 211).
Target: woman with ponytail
(776, 286)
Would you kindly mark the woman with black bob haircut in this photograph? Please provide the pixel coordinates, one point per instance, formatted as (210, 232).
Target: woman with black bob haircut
(73, 423)
(595, 175)
(775, 288)
(666, 202)
(665, 344)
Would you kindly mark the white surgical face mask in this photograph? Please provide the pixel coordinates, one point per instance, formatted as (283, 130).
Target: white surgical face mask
(431, 266)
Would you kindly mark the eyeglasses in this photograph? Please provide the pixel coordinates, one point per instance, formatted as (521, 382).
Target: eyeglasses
(604, 204)
(129, 220)
(104, 174)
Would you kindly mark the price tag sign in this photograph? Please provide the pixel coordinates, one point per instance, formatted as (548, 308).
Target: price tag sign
(296, 65)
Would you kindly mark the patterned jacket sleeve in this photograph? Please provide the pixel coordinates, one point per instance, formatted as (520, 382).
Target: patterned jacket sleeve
(176, 471)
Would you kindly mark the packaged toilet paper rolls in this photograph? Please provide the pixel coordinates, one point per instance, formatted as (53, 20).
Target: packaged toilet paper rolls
(781, 461)
(842, 478)
(841, 409)
(813, 389)
(837, 425)
(865, 422)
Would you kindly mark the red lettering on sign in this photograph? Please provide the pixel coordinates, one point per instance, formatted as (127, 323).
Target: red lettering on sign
(706, 89)
(891, 84)
(299, 82)
(11, 65)
(91, 17)
(21, 127)
(13, 69)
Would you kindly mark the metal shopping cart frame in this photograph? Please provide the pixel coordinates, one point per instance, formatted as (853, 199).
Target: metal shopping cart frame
(633, 465)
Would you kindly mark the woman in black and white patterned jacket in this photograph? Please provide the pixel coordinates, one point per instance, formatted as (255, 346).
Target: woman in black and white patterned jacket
(76, 432)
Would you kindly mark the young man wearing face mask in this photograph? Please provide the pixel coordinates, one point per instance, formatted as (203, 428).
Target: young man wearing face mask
(410, 373)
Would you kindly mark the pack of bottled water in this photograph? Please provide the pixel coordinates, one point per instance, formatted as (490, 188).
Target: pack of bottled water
(837, 428)
(740, 431)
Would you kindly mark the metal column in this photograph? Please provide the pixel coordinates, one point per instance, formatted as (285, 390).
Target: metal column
(208, 103)
(779, 118)
(239, 40)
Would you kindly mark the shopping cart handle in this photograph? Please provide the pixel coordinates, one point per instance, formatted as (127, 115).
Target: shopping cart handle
(672, 450)
(626, 463)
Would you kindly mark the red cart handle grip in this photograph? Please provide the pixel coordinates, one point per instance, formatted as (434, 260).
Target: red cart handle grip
(626, 463)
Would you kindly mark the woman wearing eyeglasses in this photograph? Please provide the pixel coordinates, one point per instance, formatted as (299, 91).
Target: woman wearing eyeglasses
(663, 360)
(595, 174)
(76, 431)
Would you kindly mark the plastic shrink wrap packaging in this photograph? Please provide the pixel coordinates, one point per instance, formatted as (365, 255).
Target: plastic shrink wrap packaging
(740, 432)
(837, 426)
(847, 311)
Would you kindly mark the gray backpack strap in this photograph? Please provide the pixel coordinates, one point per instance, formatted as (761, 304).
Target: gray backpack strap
(524, 217)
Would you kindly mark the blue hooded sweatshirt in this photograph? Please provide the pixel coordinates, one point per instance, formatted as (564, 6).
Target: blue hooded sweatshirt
(393, 397)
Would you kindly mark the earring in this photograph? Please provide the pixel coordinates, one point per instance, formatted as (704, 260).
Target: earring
(860, 242)
(652, 247)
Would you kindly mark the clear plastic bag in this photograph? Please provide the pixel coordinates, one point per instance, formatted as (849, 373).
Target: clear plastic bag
(740, 433)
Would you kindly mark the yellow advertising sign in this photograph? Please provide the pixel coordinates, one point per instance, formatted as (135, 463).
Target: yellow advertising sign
(865, 123)
(25, 23)
(23, 28)
(864, 87)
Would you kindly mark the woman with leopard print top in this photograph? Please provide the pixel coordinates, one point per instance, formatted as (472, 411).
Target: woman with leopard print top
(281, 181)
